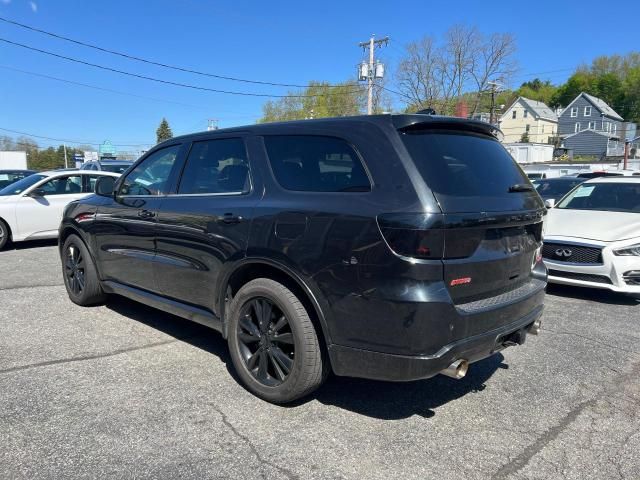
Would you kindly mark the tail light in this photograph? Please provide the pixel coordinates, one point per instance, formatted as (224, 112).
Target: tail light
(418, 235)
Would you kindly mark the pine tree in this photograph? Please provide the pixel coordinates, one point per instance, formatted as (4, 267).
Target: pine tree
(164, 131)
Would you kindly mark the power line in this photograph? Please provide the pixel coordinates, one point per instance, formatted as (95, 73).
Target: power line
(167, 82)
(150, 62)
(78, 142)
(95, 87)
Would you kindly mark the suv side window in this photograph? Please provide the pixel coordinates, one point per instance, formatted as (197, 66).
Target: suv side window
(151, 176)
(216, 166)
(62, 185)
(316, 164)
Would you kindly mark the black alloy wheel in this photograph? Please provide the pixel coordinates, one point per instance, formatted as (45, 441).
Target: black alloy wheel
(74, 269)
(266, 341)
(80, 275)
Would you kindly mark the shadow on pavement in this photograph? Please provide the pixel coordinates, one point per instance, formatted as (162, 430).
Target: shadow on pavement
(193, 333)
(593, 294)
(52, 242)
(382, 400)
(395, 401)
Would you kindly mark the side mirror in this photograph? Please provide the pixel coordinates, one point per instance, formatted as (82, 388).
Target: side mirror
(36, 192)
(105, 186)
(550, 203)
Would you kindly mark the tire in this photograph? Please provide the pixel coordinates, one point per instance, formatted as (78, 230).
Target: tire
(5, 236)
(262, 352)
(79, 273)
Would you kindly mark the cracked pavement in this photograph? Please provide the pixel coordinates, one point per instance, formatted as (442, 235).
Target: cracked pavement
(126, 391)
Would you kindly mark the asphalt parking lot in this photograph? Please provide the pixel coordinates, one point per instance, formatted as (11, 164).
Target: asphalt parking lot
(126, 391)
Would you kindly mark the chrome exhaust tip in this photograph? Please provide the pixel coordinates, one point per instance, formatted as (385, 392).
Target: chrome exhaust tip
(457, 369)
(535, 327)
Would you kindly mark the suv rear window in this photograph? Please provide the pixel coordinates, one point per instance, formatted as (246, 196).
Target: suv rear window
(467, 172)
(316, 164)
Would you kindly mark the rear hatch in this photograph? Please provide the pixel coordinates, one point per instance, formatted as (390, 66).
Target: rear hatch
(491, 220)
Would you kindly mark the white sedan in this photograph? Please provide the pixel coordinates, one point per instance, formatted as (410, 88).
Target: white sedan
(592, 236)
(32, 208)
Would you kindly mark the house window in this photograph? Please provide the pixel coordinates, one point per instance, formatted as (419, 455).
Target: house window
(514, 114)
(542, 128)
(528, 127)
(587, 111)
(574, 112)
(577, 129)
(614, 128)
(525, 114)
(592, 125)
(606, 126)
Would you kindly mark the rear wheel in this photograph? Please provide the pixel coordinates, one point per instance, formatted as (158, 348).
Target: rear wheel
(79, 272)
(273, 343)
(4, 234)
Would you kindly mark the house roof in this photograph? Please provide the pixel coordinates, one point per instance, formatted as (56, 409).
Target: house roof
(604, 134)
(599, 104)
(541, 109)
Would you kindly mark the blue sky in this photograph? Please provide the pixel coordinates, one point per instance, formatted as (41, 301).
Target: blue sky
(277, 41)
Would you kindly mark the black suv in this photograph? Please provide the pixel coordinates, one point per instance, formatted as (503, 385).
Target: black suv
(391, 247)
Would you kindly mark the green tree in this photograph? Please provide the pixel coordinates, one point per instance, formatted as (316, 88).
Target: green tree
(318, 100)
(541, 91)
(164, 131)
(524, 138)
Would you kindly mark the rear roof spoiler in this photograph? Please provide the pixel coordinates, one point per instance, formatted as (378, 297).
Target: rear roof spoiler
(407, 123)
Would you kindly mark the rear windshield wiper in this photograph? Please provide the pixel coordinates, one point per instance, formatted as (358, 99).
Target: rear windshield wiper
(520, 187)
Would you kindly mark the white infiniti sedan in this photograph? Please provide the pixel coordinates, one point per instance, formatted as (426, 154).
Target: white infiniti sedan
(592, 236)
(32, 208)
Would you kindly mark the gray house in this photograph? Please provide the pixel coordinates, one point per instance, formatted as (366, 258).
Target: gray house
(591, 127)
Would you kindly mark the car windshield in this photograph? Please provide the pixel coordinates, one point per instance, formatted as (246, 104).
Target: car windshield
(21, 185)
(611, 197)
(555, 188)
(115, 167)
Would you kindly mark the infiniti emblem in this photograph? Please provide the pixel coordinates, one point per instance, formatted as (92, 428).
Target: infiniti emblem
(563, 252)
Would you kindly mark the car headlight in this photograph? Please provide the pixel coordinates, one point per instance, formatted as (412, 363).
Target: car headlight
(633, 250)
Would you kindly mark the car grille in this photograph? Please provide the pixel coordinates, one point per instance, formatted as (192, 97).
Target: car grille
(562, 252)
(585, 277)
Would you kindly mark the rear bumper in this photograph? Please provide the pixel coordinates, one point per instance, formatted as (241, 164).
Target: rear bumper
(354, 362)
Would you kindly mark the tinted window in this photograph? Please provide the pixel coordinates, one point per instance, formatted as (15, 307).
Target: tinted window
(614, 197)
(466, 171)
(152, 175)
(216, 166)
(62, 185)
(21, 185)
(316, 164)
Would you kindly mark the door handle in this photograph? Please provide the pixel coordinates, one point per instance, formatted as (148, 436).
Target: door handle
(230, 218)
(146, 214)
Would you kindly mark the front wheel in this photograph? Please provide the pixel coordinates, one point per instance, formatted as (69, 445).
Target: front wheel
(4, 234)
(273, 343)
(80, 275)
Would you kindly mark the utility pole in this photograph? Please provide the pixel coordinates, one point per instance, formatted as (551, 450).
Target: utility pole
(495, 86)
(66, 164)
(212, 124)
(372, 70)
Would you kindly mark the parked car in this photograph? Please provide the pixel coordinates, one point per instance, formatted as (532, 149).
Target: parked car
(31, 208)
(115, 166)
(391, 247)
(593, 236)
(7, 177)
(556, 188)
